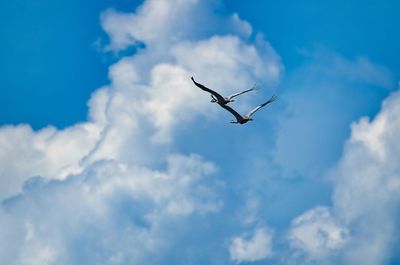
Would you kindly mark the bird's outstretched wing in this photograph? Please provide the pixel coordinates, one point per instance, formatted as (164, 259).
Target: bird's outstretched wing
(255, 87)
(238, 117)
(218, 96)
(272, 99)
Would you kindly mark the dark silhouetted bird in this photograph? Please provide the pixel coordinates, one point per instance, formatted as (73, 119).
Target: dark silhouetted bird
(243, 119)
(216, 97)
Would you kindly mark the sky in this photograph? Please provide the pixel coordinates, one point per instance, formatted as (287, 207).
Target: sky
(110, 155)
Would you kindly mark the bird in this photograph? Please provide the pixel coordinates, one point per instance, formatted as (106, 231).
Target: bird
(217, 98)
(244, 119)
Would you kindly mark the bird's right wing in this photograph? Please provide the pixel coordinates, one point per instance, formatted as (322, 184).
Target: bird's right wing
(255, 87)
(218, 96)
(237, 115)
(272, 99)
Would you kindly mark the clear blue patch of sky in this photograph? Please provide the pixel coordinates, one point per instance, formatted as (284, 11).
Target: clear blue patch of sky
(49, 64)
(353, 28)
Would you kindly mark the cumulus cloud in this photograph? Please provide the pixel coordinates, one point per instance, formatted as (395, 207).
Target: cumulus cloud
(368, 184)
(139, 101)
(361, 226)
(162, 23)
(317, 233)
(47, 152)
(256, 247)
(113, 207)
(113, 189)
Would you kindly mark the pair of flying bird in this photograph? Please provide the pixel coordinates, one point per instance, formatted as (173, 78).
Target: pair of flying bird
(223, 102)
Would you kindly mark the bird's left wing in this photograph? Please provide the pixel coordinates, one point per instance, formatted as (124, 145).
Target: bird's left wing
(202, 87)
(255, 87)
(272, 99)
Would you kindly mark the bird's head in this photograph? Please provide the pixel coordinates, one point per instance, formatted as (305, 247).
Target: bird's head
(232, 121)
(213, 99)
(231, 100)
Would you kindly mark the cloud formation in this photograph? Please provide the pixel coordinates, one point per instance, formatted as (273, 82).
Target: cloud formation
(317, 233)
(118, 189)
(361, 226)
(257, 247)
(160, 24)
(48, 152)
(138, 102)
(123, 212)
(112, 190)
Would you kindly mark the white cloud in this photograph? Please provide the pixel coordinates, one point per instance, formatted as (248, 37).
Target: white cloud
(368, 184)
(257, 247)
(317, 233)
(366, 196)
(111, 190)
(153, 100)
(47, 152)
(160, 23)
(224, 55)
(113, 207)
(33, 252)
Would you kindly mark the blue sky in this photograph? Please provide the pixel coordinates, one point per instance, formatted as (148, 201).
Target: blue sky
(110, 155)
(49, 56)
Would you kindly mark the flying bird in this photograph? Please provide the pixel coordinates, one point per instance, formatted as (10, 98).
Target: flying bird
(216, 97)
(243, 119)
